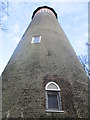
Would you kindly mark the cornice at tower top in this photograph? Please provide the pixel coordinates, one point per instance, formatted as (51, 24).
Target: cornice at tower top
(49, 9)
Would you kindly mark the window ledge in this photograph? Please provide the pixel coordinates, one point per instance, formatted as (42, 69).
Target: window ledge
(54, 111)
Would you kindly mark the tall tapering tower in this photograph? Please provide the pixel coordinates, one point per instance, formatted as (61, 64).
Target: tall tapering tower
(44, 78)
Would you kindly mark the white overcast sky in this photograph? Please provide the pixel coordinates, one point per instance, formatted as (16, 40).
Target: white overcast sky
(72, 16)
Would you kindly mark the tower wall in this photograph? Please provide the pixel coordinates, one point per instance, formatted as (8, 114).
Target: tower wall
(32, 66)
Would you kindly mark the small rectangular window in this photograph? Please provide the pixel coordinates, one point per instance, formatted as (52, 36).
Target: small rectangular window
(36, 39)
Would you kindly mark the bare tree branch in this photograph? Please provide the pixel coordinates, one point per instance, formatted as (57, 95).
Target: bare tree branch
(85, 63)
(88, 44)
(3, 12)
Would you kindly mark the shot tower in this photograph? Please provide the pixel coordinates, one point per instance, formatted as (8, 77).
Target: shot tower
(44, 78)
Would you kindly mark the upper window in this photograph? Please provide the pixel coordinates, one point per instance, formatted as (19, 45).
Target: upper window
(53, 97)
(36, 39)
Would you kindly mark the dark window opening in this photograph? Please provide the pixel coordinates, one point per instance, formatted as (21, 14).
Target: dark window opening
(53, 100)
